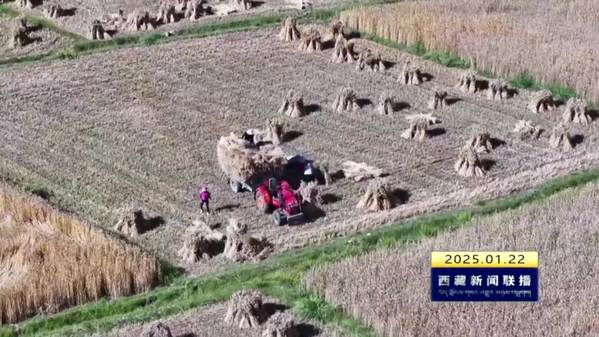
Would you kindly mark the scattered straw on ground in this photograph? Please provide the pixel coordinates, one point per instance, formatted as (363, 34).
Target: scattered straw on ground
(360, 171)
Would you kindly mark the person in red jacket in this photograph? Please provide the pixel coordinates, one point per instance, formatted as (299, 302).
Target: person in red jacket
(204, 199)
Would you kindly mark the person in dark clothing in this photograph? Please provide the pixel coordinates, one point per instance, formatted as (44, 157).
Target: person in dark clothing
(204, 199)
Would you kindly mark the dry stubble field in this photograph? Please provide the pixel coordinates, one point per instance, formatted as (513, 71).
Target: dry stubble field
(140, 126)
(390, 289)
(86, 11)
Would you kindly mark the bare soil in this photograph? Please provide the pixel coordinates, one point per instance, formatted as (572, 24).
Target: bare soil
(209, 322)
(141, 124)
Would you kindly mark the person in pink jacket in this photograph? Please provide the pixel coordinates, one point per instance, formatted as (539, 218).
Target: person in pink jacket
(204, 199)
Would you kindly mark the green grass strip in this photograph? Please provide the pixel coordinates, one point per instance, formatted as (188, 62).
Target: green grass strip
(280, 277)
(5, 11)
(526, 81)
(446, 58)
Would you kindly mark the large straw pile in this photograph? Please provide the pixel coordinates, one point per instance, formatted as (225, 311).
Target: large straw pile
(50, 261)
(244, 162)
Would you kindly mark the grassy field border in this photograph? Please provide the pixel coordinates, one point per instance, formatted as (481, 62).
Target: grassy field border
(280, 277)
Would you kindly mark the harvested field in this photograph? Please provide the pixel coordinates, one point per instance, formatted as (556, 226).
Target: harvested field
(209, 322)
(555, 41)
(132, 128)
(390, 289)
(50, 261)
(83, 13)
(43, 40)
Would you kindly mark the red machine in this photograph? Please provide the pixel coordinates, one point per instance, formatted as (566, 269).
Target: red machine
(279, 198)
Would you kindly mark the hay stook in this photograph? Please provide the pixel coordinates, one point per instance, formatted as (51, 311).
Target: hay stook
(410, 75)
(132, 222)
(245, 309)
(289, 31)
(343, 51)
(419, 124)
(195, 9)
(201, 242)
(54, 11)
(527, 130)
(377, 197)
(19, 34)
(139, 20)
(274, 132)
(310, 41)
(542, 101)
(369, 61)
(468, 82)
(498, 90)
(281, 324)
(167, 12)
(438, 101)
(576, 112)
(293, 105)
(309, 192)
(560, 138)
(337, 29)
(480, 142)
(385, 104)
(97, 31)
(242, 5)
(346, 101)
(241, 247)
(469, 164)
